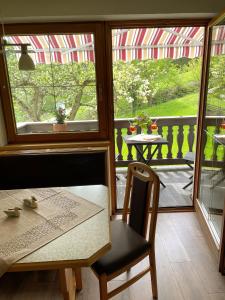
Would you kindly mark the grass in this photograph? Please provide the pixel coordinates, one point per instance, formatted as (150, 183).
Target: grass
(184, 106)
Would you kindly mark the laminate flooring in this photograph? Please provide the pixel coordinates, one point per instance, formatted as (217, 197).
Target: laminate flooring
(186, 269)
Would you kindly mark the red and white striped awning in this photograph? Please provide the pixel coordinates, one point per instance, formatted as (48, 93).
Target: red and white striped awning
(46, 49)
(157, 43)
(127, 44)
(218, 40)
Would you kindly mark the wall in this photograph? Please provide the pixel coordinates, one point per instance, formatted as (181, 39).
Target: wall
(2, 128)
(26, 10)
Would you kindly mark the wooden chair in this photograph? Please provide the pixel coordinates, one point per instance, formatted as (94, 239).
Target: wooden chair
(129, 244)
(189, 160)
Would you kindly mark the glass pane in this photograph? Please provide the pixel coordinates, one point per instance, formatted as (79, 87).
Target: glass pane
(64, 81)
(212, 187)
(156, 80)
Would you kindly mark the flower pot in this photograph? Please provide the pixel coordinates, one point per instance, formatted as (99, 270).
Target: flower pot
(59, 127)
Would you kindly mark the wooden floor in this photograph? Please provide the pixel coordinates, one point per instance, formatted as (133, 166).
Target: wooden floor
(187, 270)
(173, 195)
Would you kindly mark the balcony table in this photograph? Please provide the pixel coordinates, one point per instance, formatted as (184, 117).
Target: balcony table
(79, 247)
(130, 140)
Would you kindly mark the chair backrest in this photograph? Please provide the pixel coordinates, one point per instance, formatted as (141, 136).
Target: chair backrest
(142, 194)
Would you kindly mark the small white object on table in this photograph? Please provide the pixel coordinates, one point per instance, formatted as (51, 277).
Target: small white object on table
(145, 137)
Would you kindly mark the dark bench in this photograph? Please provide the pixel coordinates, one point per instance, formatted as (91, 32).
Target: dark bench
(70, 168)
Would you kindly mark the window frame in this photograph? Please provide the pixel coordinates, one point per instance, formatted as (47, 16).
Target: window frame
(97, 29)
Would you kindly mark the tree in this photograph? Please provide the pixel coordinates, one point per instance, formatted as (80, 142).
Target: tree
(162, 79)
(129, 87)
(216, 87)
(141, 83)
(35, 94)
(136, 84)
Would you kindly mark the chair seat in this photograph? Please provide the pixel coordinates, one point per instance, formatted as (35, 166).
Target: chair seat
(190, 156)
(127, 245)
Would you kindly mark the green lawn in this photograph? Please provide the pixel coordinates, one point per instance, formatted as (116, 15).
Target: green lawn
(184, 106)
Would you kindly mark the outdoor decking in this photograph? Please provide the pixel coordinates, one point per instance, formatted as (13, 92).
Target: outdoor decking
(175, 178)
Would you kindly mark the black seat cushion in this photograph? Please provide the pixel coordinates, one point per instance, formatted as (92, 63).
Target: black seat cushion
(127, 245)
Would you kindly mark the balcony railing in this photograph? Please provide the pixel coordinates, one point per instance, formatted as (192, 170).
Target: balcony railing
(47, 127)
(180, 132)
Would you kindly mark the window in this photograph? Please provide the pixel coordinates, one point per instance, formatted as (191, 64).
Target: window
(61, 98)
(213, 154)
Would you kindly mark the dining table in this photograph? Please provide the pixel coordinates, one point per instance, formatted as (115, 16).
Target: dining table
(145, 140)
(79, 247)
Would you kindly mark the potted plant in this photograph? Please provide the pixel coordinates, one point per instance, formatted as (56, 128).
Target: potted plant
(60, 114)
(142, 121)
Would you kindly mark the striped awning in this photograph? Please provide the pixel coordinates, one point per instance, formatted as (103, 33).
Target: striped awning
(46, 49)
(157, 43)
(218, 40)
(127, 44)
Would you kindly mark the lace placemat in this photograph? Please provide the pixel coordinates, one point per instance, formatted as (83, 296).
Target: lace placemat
(57, 212)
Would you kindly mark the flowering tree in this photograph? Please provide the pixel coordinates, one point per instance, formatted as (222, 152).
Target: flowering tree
(138, 84)
(130, 88)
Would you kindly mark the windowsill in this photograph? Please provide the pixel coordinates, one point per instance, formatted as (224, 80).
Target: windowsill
(85, 146)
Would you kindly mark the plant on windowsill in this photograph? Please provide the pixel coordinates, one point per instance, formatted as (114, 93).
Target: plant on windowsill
(60, 115)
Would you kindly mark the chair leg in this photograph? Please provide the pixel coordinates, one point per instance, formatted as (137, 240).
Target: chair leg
(153, 274)
(103, 287)
(78, 278)
(187, 185)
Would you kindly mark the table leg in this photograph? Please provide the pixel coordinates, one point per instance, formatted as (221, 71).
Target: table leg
(153, 153)
(141, 153)
(78, 279)
(147, 161)
(67, 283)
